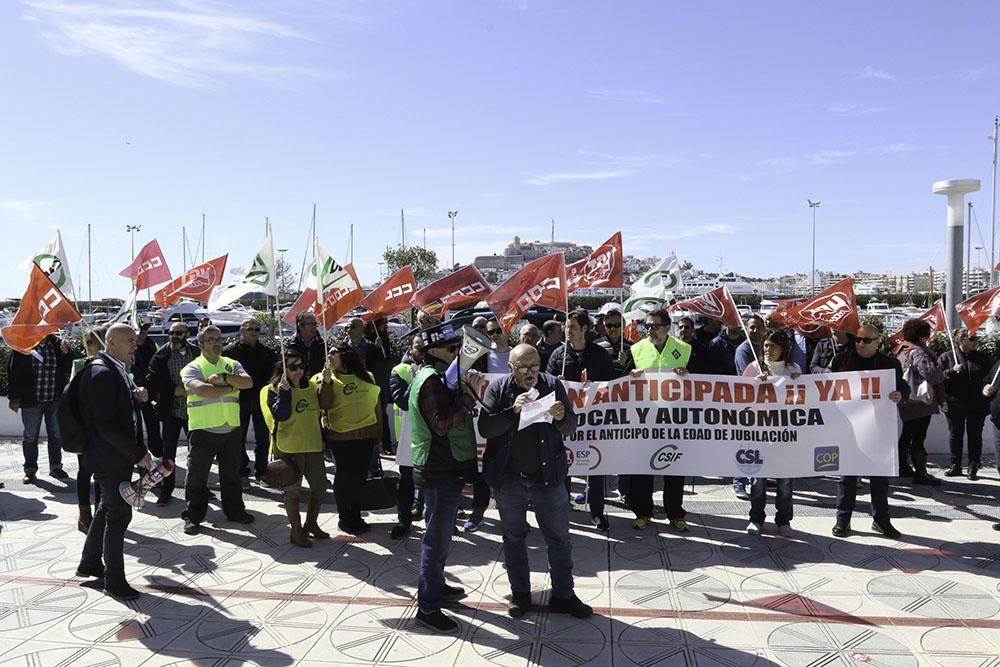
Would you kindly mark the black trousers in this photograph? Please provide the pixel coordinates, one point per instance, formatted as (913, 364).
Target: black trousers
(641, 495)
(106, 537)
(83, 477)
(960, 425)
(911, 443)
(205, 447)
(250, 413)
(351, 457)
(172, 427)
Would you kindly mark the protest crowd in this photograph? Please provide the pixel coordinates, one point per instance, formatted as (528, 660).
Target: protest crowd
(509, 409)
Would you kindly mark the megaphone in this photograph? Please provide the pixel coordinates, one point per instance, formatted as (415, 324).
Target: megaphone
(134, 493)
(474, 345)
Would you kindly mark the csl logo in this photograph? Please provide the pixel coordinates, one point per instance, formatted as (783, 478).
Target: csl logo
(826, 459)
(664, 457)
(749, 461)
(832, 309)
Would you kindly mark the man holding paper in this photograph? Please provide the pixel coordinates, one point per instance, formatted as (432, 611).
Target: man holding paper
(525, 462)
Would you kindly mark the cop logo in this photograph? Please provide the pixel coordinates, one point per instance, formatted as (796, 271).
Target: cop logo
(749, 461)
(826, 459)
(664, 457)
(302, 405)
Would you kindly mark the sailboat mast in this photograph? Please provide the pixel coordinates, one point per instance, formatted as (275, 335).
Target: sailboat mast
(90, 275)
(202, 238)
(402, 229)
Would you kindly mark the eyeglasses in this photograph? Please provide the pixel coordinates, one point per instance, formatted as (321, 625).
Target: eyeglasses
(528, 369)
(494, 332)
(295, 367)
(865, 340)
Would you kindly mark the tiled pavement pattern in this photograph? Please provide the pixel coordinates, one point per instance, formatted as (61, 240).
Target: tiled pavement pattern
(237, 595)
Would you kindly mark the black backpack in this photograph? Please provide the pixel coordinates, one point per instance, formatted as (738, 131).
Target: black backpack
(71, 431)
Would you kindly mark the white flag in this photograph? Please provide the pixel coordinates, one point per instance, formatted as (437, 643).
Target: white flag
(260, 276)
(654, 290)
(333, 275)
(51, 259)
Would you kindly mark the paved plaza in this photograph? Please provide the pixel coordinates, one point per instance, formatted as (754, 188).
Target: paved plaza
(715, 596)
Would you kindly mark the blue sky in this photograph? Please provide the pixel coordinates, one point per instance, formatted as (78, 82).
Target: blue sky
(695, 127)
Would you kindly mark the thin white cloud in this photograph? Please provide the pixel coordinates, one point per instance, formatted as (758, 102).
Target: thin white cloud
(624, 96)
(869, 72)
(901, 147)
(185, 42)
(569, 177)
(964, 76)
(21, 209)
(636, 160)
(854, 108)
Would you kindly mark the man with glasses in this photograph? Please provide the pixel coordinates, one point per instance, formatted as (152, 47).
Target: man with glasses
(496, 360)
(258, 360)
(965, 376)
(444, 460)
(613, 342)
(866, 357)
(659, 352)
(308, 342)
(552, 337)
(164, 384)
(213, 383)
(528, 465)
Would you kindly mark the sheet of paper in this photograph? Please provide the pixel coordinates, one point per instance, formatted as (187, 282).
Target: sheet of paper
(537, 411)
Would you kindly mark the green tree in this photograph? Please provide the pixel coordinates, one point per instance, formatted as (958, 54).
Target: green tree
(423, 261)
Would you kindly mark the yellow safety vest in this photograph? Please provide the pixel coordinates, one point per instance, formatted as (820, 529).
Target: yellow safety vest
(675, 354)
(299, 433)
(354, 402)
(213, 413)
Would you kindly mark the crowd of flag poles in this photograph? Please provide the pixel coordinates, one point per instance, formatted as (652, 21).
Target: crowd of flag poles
(332, 291)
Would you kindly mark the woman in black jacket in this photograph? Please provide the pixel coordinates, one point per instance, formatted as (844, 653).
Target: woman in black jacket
(964, 378)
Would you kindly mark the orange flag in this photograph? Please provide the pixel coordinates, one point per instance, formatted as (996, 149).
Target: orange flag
(977, 309)
(391, 297)
(717, 305)
(43, 311)
(196, 283)
(835, 307)
(461, 288)
(541, 282)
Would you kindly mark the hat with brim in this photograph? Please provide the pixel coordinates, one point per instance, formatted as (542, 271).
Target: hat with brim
(440, 335)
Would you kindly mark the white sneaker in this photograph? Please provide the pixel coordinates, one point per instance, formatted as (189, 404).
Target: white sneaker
(754, 528)
(785, 530)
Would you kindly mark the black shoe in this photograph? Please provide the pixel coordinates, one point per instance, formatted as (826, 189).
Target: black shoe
(399, 531)
(90, 571)
(58, 473)
(572, 606)
(418, 514)
(519, 604)
(888, 530)
(354, 528)
(163, 501)
(905, 471)
(996, 526)
(121, 592)
(244, 518)
(841, 530)
(452, 592)
(954, 471)
(29, 478)
(973, 472)
(190, 527)
(437, 621)
(601, 522)
(925, 479)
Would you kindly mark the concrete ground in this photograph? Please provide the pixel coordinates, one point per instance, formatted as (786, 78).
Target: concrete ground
(714, 596)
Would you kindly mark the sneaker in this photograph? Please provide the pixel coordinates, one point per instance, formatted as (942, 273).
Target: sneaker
(954, 471)
(29, 478)
(58, 473)
(190, 527)
(640, 523)
(399, 531)
(90, 571)
(888, 530)
(601, 522)
(437, 622)
(452, 592)
(243, 518)
(472, 524)
(754, 528)
(841, 530)
(926, 479)
(245, 483)
(680, 525)
(580, 498)
(121, 592)
(740, 491)
(572, 606)
(519, 604)
(785, 530)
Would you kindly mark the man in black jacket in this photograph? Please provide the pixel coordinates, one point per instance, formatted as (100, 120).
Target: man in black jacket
(529, 465)
(165, 386)
(109, 414)
(866, 357)
(35, 383)
(145, 348)
(258, 361)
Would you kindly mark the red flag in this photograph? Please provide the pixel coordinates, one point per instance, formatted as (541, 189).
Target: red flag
(835, 307)
(631, 333)
(934, 317)
(391, 297)
(977, 309)
(455, 290)
(541, 282)
(782, 317)
(602, 268)
(305, 301)
(339, 300)
(43, 311)
(196, 283)
(717, 304)
(148, 268)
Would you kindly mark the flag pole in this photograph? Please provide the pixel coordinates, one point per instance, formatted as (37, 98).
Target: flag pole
(319, 290)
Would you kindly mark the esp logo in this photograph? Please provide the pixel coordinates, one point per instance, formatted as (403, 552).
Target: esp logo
(826, 459)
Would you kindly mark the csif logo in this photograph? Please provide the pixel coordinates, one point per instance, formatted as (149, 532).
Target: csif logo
(826, 459)
(664, 457)
(749, 461)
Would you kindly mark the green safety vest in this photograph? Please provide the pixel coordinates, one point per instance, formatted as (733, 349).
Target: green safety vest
(675, 354)
(461, 437)
(299, 433)
(211, 413)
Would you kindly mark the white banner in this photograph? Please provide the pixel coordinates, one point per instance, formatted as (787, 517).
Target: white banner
(718, 425)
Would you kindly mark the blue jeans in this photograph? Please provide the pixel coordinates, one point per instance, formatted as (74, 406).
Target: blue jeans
(439, 522)
(513, 493)
(32, 420)
(847, 493)
(782, 501)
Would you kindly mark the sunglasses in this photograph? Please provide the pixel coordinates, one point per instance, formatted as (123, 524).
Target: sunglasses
(295, 367)
(865, 340)
(494, 332)
(612, 325)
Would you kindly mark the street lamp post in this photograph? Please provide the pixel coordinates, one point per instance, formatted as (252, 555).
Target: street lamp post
(451, 216)
(812, 278)
(132, 229)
